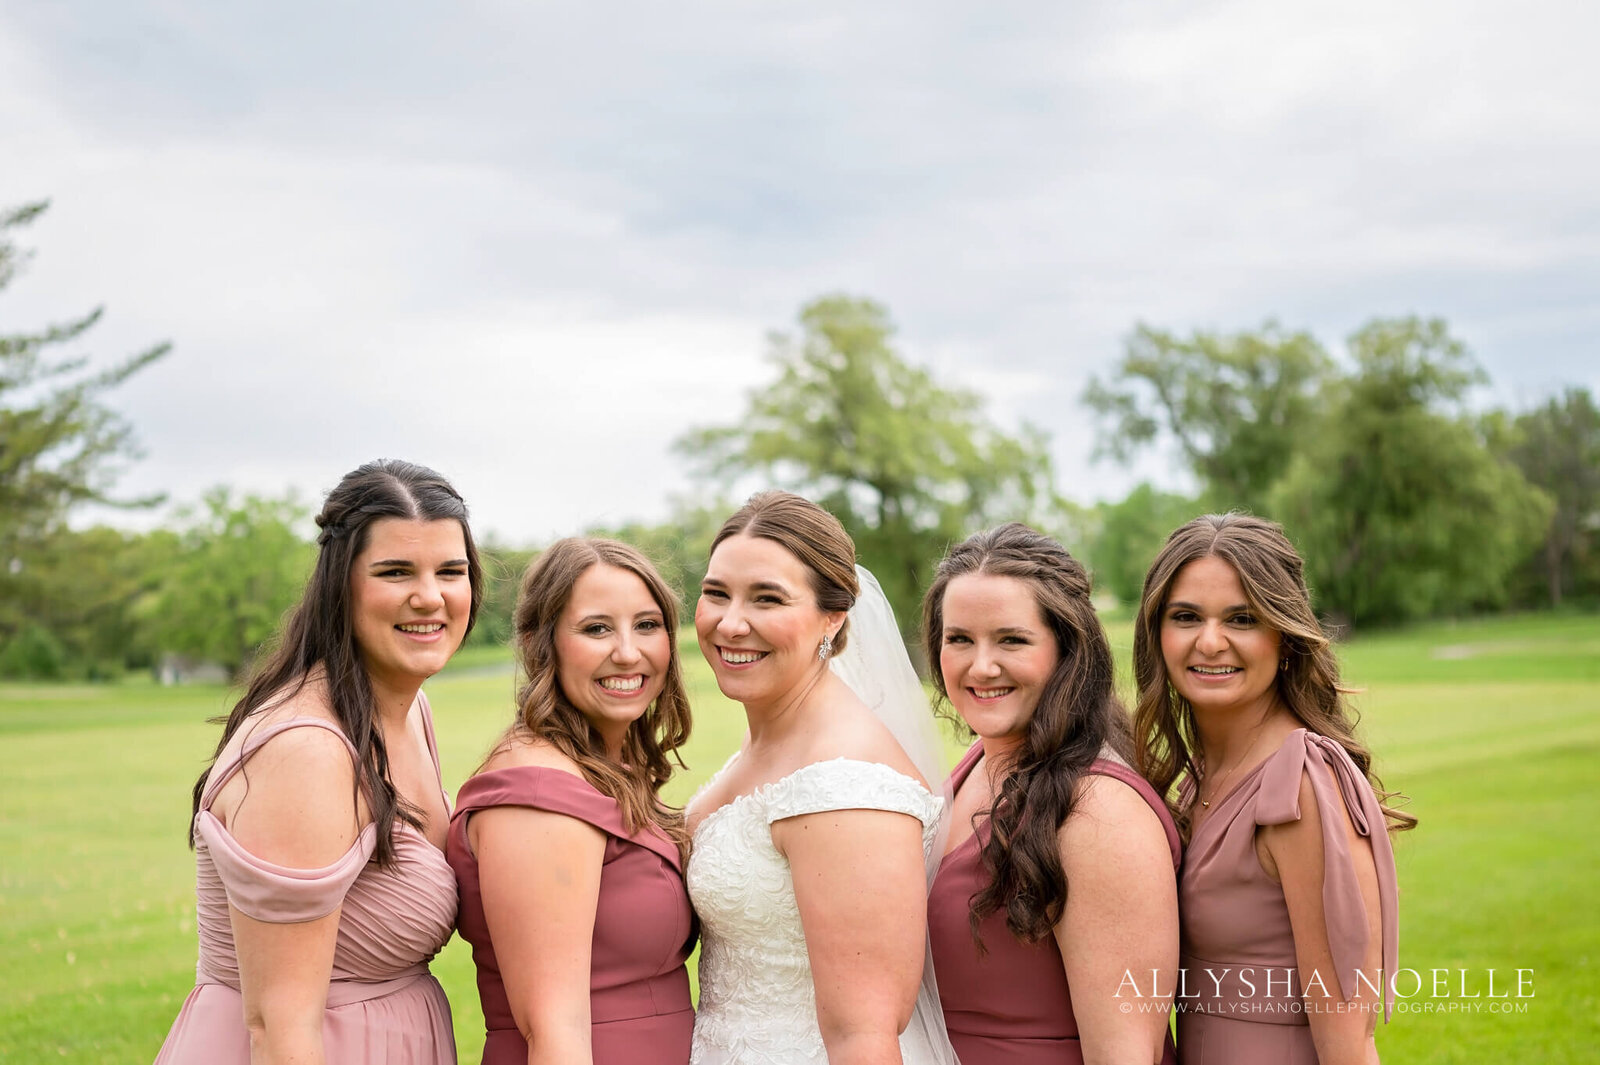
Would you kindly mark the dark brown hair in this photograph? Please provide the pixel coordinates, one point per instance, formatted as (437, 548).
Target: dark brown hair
(811, 535)
(1273, 577)
(321, 630)
(1077, 717)
(545, 711)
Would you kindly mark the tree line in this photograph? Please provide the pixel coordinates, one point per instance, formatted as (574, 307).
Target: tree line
(1405, 499)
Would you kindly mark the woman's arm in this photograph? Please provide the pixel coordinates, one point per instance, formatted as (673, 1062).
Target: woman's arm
(1293, 853)
(1121, 918)
(539, 874)
(296, 809)
(861, 888)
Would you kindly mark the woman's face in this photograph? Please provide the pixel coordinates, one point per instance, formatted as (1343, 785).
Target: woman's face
(1218, 655)
(410, 599)
(758, 621)
(613, 650)
(996, 654)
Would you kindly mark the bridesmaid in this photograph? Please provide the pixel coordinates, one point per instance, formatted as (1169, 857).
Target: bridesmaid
(1288, 894)
(321, 880)
(1053, 918)
(570, 866)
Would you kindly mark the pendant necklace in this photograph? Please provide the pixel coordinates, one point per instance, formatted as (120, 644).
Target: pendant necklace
(1205, 804)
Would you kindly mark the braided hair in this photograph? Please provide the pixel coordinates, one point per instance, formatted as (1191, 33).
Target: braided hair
(1077, 717)
(321, 629)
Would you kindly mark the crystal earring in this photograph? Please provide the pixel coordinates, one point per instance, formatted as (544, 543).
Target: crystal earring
(825, 648)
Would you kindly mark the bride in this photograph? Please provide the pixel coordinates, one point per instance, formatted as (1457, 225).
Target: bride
(812, 846)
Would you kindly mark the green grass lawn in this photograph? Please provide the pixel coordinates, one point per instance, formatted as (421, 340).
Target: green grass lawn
(1492, 728)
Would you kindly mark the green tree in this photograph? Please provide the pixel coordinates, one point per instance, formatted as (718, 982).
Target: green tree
(59, 445)
(678, 546)
(1235, 404)
(1130, 535)
(1557, 448)
(85, 587)
(1400, 509)
(503, 567)
(908, 465)
(240, 566)
(32, 653)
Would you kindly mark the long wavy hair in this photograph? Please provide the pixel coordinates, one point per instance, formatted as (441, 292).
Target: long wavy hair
(321, 629)
(810, 534)
(1273, 577)
(1078, 717)
(545, 712)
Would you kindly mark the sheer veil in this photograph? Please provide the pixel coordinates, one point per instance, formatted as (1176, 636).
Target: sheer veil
(875, 666)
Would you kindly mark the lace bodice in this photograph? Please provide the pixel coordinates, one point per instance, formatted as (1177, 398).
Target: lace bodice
(757, 1004)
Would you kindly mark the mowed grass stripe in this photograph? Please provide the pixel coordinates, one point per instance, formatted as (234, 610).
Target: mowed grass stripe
(1491, 727)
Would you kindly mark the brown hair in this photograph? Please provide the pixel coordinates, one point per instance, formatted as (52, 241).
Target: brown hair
(545, 712)
(1078, 715)
(321, 631)
(1273, 577)
(811, 535)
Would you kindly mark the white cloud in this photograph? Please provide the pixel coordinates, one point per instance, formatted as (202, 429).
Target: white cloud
(531, 247)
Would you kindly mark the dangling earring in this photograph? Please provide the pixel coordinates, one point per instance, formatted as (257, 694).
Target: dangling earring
(825, 648)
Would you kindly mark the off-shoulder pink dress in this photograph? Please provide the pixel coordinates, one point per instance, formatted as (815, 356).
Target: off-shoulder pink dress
(1011, 1005)
(639, 1006)
(384, 1007)
(1242, 997)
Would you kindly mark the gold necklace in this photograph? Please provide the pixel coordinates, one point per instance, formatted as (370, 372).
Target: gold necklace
(1205, 804)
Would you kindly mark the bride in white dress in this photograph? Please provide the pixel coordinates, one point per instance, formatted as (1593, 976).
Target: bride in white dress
(812, 846)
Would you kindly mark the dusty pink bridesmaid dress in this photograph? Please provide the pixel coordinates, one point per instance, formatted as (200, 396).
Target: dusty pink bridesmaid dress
(1011, 1005)
(639, 1006)
(384, 1007)
(1243, 1000)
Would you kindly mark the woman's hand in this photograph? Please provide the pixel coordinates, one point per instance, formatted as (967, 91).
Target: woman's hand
(1121, 917)
(861, 888)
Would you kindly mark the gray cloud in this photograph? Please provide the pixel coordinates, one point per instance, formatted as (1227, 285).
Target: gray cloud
(531, 245)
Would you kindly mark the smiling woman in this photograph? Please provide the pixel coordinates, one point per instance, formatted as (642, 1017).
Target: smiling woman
(1059, 874)
(1288, 872)
(810, 844)
(323, 888)
(410, 600)
(570, 865)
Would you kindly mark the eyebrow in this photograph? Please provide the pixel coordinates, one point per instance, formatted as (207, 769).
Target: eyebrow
(653, 612)
(409, 562)
(758, 586)
(1176, 604)
(1008, 630)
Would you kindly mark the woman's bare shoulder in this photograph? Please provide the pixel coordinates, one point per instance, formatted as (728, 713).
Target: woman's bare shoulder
(521, 752)
(849, 730)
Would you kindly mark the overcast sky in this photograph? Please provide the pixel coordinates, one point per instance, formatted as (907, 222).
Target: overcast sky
(530, 244)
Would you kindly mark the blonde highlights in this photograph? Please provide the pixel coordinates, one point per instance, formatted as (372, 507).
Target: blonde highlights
(545, 713)
(1273, 577)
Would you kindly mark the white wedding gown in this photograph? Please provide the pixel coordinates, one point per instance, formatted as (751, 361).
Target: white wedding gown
(757, 1004)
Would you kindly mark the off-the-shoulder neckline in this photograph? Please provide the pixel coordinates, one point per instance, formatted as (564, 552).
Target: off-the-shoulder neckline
(613, 824)
(402, 829)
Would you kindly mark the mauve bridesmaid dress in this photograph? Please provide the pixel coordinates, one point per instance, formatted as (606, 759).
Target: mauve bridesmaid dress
(1010, 1005)
(1243, 1000)
(644, 930)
